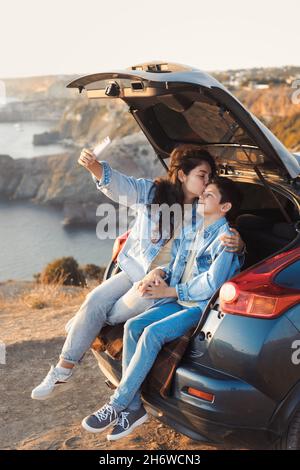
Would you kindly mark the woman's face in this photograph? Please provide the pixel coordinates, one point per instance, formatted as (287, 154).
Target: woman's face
(195, 182)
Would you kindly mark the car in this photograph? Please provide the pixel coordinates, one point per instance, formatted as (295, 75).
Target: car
(238, 383)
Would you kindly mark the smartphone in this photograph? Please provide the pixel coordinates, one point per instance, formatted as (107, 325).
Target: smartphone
(101, 146)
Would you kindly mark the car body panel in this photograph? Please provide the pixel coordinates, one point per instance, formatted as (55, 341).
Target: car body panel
(184, 419)
(236, 402)
(244, 347)
(202, 422)
(294, 316)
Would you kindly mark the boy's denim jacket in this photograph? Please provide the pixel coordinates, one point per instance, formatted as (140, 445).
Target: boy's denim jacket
(212, 267)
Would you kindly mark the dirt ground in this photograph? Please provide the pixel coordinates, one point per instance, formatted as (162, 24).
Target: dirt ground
(32, 323)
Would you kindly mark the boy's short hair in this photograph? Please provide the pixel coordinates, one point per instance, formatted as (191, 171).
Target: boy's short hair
(230, 192)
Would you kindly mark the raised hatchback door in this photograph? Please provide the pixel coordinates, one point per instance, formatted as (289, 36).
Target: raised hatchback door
(176, 104)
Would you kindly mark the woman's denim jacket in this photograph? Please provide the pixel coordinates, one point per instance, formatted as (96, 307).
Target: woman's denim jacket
(138, 251)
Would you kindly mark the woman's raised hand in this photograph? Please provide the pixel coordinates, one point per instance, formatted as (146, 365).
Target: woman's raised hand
(88, 160)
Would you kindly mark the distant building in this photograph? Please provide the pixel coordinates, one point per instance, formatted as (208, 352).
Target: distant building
(253, 85)
(261, 86)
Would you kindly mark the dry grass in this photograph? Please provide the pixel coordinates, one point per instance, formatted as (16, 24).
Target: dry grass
(50, 295)
(40, 296)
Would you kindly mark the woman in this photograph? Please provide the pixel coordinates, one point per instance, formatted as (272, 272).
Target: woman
(118, 299)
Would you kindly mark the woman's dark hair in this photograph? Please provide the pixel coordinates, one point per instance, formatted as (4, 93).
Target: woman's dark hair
(168, 190)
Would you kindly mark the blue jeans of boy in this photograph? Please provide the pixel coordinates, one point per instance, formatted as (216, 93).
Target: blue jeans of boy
(144, 336)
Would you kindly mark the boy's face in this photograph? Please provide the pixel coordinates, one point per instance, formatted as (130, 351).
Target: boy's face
(211, 198)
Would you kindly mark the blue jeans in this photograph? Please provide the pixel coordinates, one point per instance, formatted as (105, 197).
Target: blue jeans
(144, 337)
(114, 301)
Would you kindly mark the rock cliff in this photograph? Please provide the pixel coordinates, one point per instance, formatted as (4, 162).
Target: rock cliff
(59, 180)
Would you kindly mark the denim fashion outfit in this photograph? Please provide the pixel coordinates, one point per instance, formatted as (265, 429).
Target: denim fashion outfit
(145, 334)
(214, 265)
(117, 299)
(139, 250)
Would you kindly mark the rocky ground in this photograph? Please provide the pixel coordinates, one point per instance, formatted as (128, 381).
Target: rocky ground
(33, 338)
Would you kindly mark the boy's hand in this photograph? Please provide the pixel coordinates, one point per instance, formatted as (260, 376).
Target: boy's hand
(234, 242)
(159, 291)
(154, 277)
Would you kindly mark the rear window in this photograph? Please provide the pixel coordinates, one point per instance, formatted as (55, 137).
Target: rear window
(201, 122)
(255, 196)
(258, 201)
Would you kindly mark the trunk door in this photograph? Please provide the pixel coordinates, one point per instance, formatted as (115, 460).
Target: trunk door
(176, 104)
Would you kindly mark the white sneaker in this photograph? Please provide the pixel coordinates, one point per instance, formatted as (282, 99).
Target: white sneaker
(53, 384)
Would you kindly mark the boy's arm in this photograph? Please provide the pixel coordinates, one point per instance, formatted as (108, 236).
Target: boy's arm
(203, 286)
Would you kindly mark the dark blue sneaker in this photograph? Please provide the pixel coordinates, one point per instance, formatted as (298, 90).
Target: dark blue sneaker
(128, 420)
(101, 419)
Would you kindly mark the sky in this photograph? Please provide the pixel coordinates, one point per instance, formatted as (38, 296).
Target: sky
(68, 37)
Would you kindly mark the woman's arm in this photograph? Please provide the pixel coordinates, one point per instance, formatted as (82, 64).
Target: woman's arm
(234, 243)
(123, 189)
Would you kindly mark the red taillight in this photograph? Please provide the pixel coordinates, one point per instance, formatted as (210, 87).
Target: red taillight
(254, 292)
(229, 292)
(119, 242)
(200, 394)
(256, 305)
